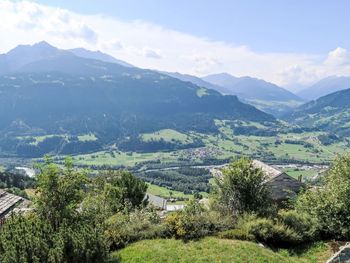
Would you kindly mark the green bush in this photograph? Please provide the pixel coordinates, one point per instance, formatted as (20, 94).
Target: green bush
(330, 204)
(288, 229)
(302, 223)
(123, 229)
(274, 233)
(30, 239)
(195, 222)
(236, 233)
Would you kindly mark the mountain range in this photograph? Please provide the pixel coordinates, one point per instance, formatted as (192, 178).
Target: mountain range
(325, 86)
(263, 95)
(45, 90)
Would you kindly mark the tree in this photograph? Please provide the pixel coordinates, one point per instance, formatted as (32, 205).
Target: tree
(241, 189)
(59, 192)
(330, 204)
(122, 190)
(31, 239)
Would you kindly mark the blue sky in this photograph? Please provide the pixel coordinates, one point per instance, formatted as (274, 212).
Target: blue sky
(264, 25)
(290, 43)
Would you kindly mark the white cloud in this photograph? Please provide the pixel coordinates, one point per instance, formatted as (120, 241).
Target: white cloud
(338, 57)
(150, 53)
(151, 46)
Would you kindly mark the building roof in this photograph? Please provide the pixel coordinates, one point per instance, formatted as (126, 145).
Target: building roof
(8, 202)
(157, 201)
(268, 170)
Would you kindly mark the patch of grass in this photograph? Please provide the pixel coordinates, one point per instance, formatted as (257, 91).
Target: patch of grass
(167, 135)
(39, 139)
(296, 172)
(201, 92)
(165, 192)
(87, 137)
(212, 249)
(116, 158)
(30, 192)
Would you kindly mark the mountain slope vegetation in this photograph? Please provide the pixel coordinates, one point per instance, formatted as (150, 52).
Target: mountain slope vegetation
(60, 93)
(330, 113)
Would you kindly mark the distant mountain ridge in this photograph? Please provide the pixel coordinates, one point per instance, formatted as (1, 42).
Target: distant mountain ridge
(251, 88)
(57, 92)
(196, 80)
(264, 95)
(98, 55)
(324, 87)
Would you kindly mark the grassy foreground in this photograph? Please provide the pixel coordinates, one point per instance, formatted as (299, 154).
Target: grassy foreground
(212, 249)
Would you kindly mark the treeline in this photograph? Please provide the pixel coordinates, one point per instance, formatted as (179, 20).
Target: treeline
(187, 180)
(50, 145)
(18, 180)
(254, 131)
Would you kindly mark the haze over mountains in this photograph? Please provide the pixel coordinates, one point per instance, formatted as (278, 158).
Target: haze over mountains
(264, 95)
(325, 86)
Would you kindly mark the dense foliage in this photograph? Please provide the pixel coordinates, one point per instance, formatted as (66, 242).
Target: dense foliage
(18, 180)
(241, 189)
(330, 204)
(186, 179)
(71, 216)
(195, 222)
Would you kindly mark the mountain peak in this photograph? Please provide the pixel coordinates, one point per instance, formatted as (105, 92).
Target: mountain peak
(43, 44)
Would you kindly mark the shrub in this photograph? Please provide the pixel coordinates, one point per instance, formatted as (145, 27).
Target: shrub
(274, 233)
(236, 233)
(242, 189)
(123, 229)
(30, 239)
(330, 204)
(288, 229)
(195, 222)
(304, 224)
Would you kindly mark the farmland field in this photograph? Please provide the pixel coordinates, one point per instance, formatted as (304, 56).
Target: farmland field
(283, 147)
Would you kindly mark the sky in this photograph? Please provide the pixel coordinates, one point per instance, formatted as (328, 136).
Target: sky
(290, 43)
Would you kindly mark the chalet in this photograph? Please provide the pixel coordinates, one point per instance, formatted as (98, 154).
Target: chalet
(7, 204)
(281, 184)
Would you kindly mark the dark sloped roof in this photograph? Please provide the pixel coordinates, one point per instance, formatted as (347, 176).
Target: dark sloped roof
(157, 201)
(7, 202)
(268, 170)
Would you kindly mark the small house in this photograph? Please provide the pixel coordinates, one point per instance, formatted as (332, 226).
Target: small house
(281, 184)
